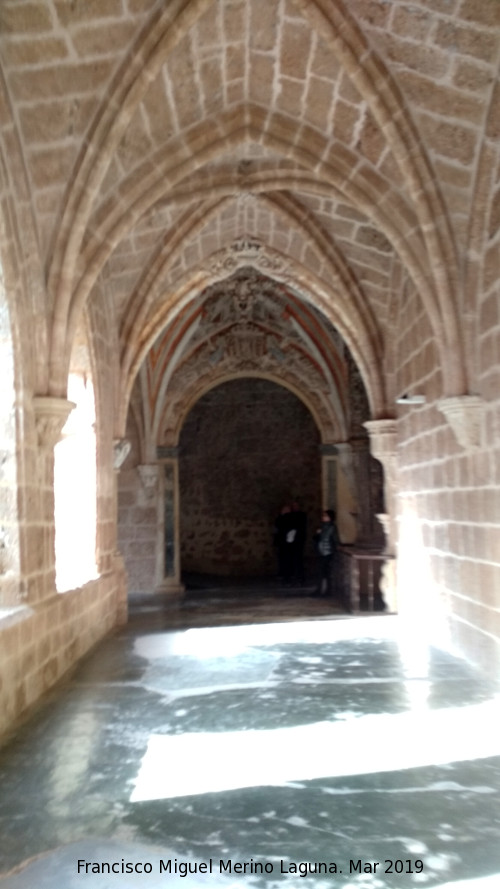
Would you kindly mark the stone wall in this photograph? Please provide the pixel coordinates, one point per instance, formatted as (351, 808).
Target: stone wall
(449, 510)
(39, 645)
(247, 447)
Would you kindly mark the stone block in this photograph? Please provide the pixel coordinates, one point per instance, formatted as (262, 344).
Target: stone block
(70, 14)
(467, 41)
(374, 12)
(294, 51)
(22, 53)
(263, 24)
(471, 76)
(413, 22)
(24, 18)
(450, 140)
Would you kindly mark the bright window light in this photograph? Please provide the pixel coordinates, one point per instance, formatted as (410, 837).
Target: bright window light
(209, 762)
(75, 490)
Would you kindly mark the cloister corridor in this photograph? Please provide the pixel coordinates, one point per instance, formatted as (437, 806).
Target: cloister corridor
(250, 354)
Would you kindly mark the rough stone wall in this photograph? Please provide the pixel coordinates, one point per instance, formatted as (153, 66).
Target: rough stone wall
(247, 447)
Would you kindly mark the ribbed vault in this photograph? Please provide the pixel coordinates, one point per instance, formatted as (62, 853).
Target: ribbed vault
(246, 325)
(348, 138)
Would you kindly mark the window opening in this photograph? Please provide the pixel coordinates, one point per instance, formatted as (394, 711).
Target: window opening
(75, 480)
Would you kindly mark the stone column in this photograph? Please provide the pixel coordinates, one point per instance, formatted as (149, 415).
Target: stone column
(329, 476)
(362, 486)
(383, 445)
(40, 555)
(121, 450)
(168, 568)
(348, 505)
(338, 487)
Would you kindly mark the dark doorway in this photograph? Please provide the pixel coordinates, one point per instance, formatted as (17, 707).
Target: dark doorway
(247, 447)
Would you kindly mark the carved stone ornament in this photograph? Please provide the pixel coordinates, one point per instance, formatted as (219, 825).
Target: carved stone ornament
(121, 450)
(148, 473)
(242, 253)
(464, 413)
(50, 417)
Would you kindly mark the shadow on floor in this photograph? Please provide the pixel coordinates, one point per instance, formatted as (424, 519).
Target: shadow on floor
(213, 601)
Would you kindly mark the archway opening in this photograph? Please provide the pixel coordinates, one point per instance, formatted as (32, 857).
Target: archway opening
(247, 447)
(9, 528)
(75, 479)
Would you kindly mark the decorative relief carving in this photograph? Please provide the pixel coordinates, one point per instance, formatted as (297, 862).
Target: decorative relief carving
(245, 252)
(199, 374)
(245, 343)
(148, 473)
(249, 322)
(243, 298)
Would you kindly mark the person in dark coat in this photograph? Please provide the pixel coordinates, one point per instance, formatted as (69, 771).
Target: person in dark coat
(327, 543)
(299, 525)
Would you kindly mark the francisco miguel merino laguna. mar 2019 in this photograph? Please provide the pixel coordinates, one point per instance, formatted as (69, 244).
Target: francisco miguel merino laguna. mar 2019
(227, 865)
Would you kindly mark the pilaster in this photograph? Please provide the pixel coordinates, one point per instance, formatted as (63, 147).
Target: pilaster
(168, 570)
(383, 445)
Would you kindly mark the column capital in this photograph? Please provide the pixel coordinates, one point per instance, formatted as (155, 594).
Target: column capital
(148, 473)
(383, 438)
(464, 414)
(51, 414)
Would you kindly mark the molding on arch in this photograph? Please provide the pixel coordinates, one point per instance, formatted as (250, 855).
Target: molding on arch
(221, 264)
(342, 278)
(172, 440)
(367, 192)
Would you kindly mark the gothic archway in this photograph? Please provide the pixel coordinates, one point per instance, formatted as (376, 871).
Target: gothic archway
(247, 447)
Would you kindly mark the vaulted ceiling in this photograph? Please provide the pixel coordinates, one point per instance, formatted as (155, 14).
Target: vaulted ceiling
(331, 149)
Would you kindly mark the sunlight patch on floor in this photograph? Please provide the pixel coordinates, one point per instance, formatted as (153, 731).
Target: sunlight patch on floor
(208, 762)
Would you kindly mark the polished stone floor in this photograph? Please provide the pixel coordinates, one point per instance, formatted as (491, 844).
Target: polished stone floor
(293, 745)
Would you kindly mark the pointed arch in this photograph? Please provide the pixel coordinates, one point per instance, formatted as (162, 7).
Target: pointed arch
(197, 392)
(346, 319)
(377, 86)
(163, 32)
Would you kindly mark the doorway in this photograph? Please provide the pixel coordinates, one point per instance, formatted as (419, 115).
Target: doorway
(247, 447)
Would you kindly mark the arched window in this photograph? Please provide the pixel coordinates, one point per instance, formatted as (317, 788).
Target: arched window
(9, 531)
(75, 489)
